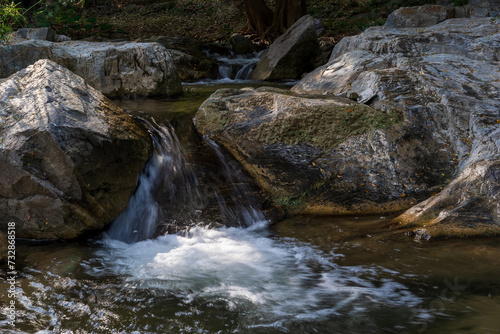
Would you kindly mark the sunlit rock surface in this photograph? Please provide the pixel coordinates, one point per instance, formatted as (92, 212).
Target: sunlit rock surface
(114, 69)
(69, 158)
(446, 80)
(188, 56)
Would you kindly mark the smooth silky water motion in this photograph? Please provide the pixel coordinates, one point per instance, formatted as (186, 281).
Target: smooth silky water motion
(303, 275)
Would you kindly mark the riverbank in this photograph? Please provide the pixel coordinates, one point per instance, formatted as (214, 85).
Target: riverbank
(213, 20)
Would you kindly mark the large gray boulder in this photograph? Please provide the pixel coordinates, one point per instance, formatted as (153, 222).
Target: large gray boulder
(482, 8)
(45, 34)
(291, 54)
(445, 79)
(326, 155)
(70, 158)
(419, 16)
(115, 69)
(429, 15)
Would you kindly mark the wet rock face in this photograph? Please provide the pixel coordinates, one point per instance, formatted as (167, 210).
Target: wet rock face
(115, 69)
(291, 54)
(468, 207)
(445, 80)
(70, 159)
(326, 155)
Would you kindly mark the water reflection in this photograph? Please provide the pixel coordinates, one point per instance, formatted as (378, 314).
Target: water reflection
(459, 280)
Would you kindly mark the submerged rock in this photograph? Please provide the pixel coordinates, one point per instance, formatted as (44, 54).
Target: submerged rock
(70, 158)
(115, 69)
(291, 54)
(445, 79)
(326, 155)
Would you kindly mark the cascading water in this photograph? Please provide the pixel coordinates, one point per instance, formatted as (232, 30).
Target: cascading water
(236, 67)
(168, 186)
(244, 213)
(241, 269)
(169, 197)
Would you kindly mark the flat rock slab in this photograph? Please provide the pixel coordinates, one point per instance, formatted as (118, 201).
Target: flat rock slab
(115, 69)
(446, 79)
(69, 157)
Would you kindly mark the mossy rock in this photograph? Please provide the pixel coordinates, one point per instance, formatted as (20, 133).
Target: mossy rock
(324, 155)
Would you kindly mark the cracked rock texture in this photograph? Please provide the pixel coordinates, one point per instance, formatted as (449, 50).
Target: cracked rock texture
(114, 69)
(69, 157)
(446, 80)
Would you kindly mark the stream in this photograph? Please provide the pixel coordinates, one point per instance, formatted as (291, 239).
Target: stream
(305, 274)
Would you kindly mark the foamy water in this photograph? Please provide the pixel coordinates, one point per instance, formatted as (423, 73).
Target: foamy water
(244, 268)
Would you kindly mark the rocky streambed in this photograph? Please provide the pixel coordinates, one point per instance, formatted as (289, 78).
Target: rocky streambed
(400, 118)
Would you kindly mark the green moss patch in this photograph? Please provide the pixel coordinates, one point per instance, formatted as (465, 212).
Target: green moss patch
(326, 126)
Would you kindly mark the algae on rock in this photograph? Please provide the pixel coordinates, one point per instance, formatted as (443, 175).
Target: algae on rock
(322, 155)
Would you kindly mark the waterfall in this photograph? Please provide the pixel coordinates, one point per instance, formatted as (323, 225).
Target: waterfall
(243, 210)
(168, 185)
(236, 67)
(169, 197)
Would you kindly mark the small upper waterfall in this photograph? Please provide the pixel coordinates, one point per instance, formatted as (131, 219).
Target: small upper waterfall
(236, 67)
(169, 196)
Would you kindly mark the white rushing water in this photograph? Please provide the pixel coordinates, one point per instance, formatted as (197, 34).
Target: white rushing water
(237, 67)
(274, 281)
(203, 280)
(169, 194)
(234, 68)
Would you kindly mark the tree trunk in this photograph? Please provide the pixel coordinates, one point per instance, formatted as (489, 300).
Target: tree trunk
(286, 14)
(259, 16)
